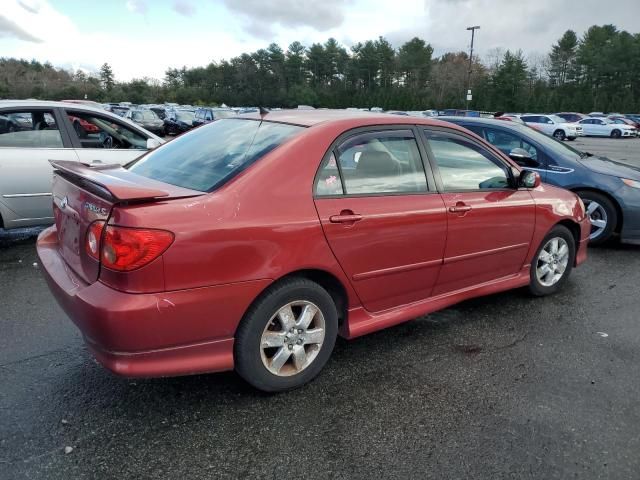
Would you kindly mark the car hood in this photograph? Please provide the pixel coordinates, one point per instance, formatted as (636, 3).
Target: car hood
(607, 166)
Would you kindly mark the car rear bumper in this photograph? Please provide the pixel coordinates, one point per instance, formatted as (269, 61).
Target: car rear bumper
(149, 335)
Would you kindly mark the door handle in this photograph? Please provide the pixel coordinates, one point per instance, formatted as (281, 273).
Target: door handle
(460, 207)
(346, 216)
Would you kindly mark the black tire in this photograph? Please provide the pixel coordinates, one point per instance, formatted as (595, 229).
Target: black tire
(536, 287)
(610, 211)
(616, 133)
(559, 135)
(248, 349)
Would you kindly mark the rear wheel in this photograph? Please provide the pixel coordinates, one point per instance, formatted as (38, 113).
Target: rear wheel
(287, 336)
(603, 216)
(553, 262)
(559, 135)
(616, 134)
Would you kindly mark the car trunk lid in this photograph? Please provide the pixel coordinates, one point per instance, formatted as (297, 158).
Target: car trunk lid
(83, 194)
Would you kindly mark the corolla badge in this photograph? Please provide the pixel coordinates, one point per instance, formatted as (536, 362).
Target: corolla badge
(63, 203)
(95, 209)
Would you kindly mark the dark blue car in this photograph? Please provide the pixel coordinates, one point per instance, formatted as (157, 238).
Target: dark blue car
(610, 190)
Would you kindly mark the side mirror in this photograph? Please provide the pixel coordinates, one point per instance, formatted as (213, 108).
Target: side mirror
(523, 158)
(152, 143)
(529, 179)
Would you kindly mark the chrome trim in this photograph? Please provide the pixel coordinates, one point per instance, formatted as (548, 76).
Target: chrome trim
(22, 195)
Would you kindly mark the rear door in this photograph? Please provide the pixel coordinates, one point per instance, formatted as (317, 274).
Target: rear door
(490, 223)
(384, 222)
(25, 172)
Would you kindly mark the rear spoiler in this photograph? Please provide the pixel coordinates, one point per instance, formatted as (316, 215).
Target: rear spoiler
(118, 183)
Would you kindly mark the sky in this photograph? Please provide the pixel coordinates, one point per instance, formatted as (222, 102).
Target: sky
(142, 38)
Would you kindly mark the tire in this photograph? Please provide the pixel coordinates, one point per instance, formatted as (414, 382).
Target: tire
(558, 265)
(259, 365)
(604, 210)
(616, 134)
(559, 135)
(11, 128)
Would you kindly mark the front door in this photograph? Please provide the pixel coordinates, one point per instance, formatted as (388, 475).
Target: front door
(102, 138)
(383, 222)
(490, 223)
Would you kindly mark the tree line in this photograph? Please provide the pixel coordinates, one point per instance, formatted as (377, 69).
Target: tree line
(598, 71)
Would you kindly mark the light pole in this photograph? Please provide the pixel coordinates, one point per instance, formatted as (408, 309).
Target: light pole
(473, 34)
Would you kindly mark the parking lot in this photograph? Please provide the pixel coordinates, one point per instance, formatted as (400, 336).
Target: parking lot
(505, 386)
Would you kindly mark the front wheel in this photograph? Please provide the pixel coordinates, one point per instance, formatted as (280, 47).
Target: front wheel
(616, 134)
(603, 216)
(553, 262)
(559, 135)
(287, 336)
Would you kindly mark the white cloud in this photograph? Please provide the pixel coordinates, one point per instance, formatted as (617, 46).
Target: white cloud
(137, 6)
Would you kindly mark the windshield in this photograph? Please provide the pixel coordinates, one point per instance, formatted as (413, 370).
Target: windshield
(557, 119)
(557, 147)
(208, 157)
(185, 116)
(224, 113)
(145, 115)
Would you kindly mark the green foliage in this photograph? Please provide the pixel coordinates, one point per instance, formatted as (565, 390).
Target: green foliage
(598, 71)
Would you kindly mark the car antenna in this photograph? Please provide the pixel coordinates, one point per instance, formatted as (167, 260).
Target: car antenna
(263, 111)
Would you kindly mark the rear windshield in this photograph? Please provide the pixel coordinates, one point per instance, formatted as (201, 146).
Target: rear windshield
(210, 155)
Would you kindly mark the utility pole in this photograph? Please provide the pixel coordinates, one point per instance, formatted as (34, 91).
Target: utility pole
(473, 34)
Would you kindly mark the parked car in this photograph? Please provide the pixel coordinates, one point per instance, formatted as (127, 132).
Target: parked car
(626, 120)
(147, 119)
(571, 117)
(596, 115)
(610, 190)
(629, 123)
(14, 122)
(554, 126)
(161, 112)
(208, 114)
(25, 172)
(603, 127)
(178, 121)
(423, 113)
(241, 244)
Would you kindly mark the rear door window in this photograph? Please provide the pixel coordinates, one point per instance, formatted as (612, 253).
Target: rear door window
(29, 129)
(213, 154)
(374, 163)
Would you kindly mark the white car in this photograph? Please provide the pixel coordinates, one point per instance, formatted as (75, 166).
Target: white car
(56, 131)
(603, 127)
(554, 126)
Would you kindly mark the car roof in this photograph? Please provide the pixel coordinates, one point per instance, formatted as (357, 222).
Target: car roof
(49, 104)
(309, 118)
(484, 121)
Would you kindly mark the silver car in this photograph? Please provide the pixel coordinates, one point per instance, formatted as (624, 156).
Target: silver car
(44, 131)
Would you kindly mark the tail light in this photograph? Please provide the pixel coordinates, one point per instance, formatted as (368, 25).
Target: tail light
(124, 249)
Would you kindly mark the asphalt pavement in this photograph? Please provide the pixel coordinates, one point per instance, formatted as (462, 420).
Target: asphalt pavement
(505, 386)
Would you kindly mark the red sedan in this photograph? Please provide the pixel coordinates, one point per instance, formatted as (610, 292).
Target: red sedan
(252, 242)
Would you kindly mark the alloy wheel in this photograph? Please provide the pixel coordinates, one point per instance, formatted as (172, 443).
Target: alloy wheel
(552, 261)
(598, 217)
(292, 338)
